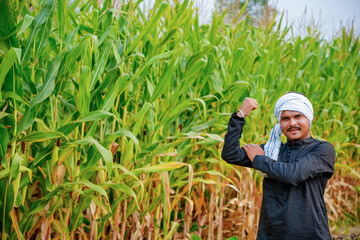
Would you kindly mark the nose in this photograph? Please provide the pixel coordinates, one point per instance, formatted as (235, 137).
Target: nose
(293, 122)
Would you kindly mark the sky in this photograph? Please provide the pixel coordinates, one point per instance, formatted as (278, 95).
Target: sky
(328, 15)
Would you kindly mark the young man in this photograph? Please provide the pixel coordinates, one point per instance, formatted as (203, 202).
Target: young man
(297, 171)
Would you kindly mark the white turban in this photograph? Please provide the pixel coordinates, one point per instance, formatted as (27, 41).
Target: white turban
(288, 102)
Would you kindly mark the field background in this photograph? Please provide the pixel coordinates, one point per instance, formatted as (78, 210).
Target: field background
(112, 119)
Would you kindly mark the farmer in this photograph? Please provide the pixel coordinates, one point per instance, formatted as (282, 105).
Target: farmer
(296, 172)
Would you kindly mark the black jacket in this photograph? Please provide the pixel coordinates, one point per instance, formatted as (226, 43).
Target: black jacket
(293, 205)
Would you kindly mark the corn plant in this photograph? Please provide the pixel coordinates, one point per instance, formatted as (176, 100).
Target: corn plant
(112, 118)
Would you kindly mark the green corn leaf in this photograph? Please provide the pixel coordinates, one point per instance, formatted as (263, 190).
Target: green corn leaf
(9, 60)
(203, 126)
(164, 81)
(195, 237)
(160, 56)
(119, 87)
(37, 206)
(95, 188)
(15, 96)
(100, 64)
(27, 119)
(84, 90)
(3, 141)
(49, 83)
(150, 25)
(77, 216)
(68, 128)
(42, 136)
(105, 153)
(61, 18)
(215, 136)
(7, 199)
(7, 24)
(42, 18)
(43, 36)
(140, 118)
(106, 33)
(96, 115)
(15, 167)
(123, 188)
(122, 133)
(5, 172)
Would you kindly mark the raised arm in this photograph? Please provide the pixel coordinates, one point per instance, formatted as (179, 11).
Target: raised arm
(232, 152)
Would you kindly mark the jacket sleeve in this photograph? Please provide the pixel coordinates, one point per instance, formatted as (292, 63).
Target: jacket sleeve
(319, 161)
(231, 152)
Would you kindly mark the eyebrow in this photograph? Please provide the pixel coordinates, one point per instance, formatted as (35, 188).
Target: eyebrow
(297, 115)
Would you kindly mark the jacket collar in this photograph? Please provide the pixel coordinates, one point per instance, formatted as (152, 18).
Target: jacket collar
(300, 142)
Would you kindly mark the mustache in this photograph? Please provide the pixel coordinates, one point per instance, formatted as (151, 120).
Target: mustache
(293, 128)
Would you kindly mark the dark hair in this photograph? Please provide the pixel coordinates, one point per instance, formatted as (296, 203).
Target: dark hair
(296, 92)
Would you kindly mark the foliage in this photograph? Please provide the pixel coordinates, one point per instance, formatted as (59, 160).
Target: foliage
(112, 120)
(236, 10)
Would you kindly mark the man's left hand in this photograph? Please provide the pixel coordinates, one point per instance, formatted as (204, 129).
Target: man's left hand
(252, 150)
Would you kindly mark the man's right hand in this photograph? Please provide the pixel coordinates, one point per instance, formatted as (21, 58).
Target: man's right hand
(247, 106)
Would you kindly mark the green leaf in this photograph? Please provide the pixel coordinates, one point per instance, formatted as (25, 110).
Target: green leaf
(160, 56)
(84, 90)
(105, 153)
(15, 167)
(77, 216)
(42, 18)
(96, 115)
(42, 136)
(16, 97)
(119, 87)
(120, 133)
(215, 136)
(68, 128)
(100, 64)
(61, 18)
(150, 25)
(232, 238)
(7, 24)
(125, 189)
(164, 81)
(10, 58)
(140, 117)
(27, 119)
(95, 188)
(49, 83)
(7, 199)
(26, 23)
(3, 141)
(5, 172)
(195, 237)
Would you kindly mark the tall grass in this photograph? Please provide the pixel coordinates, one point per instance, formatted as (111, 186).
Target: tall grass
(112, 119)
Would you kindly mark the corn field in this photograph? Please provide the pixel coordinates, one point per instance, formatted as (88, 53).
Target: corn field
(112, 118)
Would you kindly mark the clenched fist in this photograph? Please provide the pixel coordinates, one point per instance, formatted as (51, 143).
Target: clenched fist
(247, 106)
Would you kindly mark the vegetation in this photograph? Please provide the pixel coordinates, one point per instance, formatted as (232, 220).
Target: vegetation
(112, 119)
(258, 10)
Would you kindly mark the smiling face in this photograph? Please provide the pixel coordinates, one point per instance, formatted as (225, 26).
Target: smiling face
(294, 125)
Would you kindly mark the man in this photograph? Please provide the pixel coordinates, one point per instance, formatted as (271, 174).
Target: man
(297, 171)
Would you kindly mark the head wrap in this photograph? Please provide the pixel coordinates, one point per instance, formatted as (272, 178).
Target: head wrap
(288, 102)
